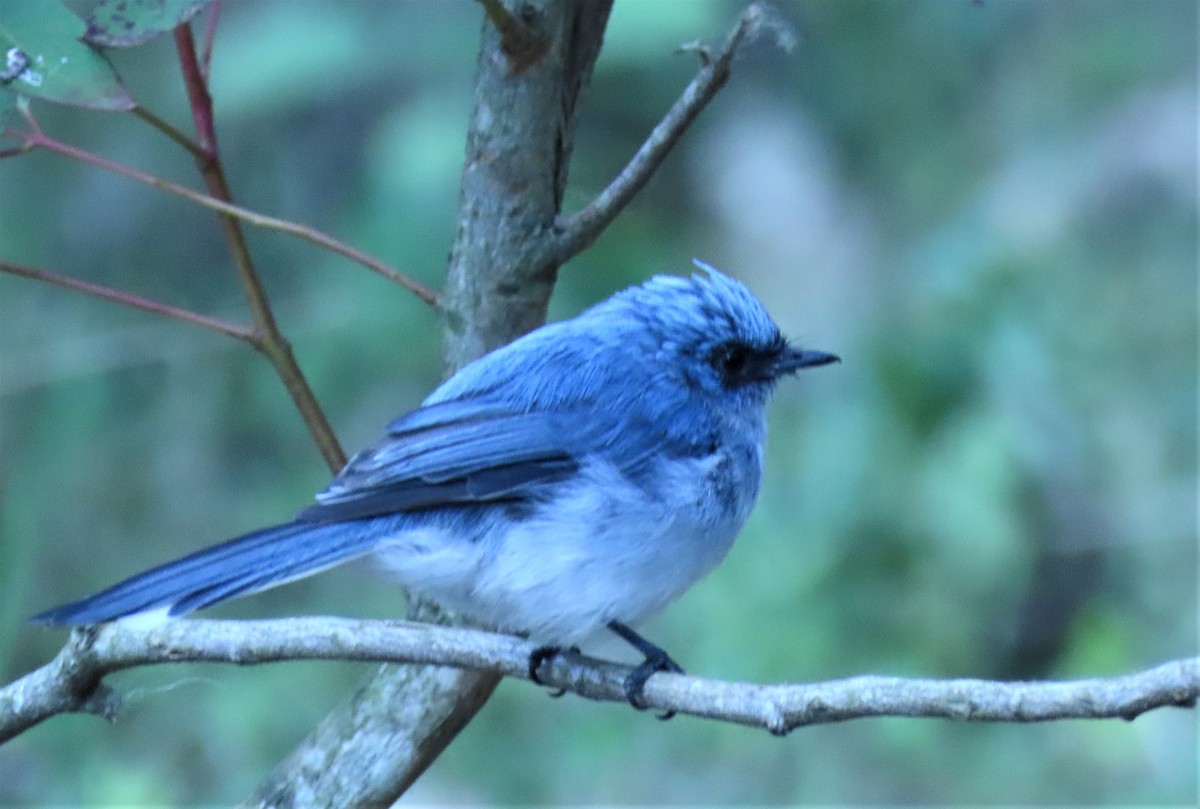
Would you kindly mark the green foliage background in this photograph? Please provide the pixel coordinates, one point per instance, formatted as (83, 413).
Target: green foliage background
(988, 210)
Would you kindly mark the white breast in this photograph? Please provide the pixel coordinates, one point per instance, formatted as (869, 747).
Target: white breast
(600, 551)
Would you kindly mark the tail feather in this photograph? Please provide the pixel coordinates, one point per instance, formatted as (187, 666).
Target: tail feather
(257, 561)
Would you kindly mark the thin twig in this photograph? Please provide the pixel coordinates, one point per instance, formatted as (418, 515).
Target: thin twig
(133, 301)
(275, 346)
(41, 141)
(72, 681)
(577, 231)
(197, 90)
(14, 151)
(170, 131)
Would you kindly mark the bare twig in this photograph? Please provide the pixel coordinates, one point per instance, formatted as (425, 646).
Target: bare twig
(38, 140)
(72, 682)
(577, 231)
(275, 346)
(170, 131)
(197, 89)
(134, 301)
(14, 151)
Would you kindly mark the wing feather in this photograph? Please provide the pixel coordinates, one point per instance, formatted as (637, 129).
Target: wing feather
(454, 453)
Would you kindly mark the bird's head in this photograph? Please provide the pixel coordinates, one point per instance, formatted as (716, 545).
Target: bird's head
(712, 332)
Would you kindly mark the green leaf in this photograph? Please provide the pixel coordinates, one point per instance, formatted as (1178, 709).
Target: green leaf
(125, 23)
(61, 68)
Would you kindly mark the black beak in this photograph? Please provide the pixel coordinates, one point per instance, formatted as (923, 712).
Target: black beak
(793, 359)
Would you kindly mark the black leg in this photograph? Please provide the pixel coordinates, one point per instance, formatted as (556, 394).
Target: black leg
(656, 660)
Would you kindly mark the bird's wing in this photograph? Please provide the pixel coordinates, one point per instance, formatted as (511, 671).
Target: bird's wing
(453, 453)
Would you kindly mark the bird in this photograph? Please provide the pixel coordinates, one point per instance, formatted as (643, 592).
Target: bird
(575, 480)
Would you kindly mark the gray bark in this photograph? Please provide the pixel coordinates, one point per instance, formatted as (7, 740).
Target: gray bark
(501, 273)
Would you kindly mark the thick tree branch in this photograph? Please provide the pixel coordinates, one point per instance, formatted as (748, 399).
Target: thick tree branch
(503, 263)
(72, 682)
(498, 283)
(520, 44)
(577, 231)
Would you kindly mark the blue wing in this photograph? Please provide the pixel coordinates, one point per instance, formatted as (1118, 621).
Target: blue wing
(453, 453)
(443, 454)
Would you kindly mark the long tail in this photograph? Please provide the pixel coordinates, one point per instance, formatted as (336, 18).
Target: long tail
(247, 564)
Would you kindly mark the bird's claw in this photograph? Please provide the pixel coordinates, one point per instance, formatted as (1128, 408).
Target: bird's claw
(540, 656)
(635, 683)
(656, 660)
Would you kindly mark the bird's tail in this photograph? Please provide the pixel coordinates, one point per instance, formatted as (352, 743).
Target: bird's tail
(247, 564)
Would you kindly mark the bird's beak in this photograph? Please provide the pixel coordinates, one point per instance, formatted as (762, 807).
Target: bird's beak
(793, 359)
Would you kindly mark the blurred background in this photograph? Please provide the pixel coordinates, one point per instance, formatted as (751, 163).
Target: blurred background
(988, 210)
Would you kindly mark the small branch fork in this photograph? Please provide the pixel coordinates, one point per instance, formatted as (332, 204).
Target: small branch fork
(72, 682)
(521, 45)
(35, 138)
(266, 336)
(575, 232)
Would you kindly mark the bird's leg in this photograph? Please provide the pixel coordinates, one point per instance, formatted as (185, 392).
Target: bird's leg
(656, 660)
(542, 654)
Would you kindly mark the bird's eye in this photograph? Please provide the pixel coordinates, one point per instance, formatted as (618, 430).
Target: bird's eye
(732, 360)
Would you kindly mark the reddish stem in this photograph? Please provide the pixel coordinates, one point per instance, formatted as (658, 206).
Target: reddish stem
(274, 345)
(197, 90)
(133, 301)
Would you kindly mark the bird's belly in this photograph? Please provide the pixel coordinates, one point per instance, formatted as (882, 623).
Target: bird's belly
(600, 551)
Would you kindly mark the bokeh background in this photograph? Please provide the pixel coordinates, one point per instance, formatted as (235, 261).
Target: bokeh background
(988, 210)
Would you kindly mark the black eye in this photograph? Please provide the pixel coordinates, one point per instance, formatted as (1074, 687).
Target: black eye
(731, 360)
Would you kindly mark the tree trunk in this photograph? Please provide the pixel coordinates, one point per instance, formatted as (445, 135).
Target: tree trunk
(534, 61)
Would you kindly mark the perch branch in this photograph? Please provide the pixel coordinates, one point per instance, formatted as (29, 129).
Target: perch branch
(72, 682)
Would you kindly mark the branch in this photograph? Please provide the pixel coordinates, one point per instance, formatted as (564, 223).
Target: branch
(38, 140)
(520, 44)
(15, 151)
(170, 131)
(373, 746)
(577, 231)
(275, 347)
(72, 682)
(133, 301)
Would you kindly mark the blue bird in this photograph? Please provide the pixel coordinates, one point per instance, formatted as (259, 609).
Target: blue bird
(578, 479)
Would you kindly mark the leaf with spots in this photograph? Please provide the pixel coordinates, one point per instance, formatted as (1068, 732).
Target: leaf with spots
(125, 23)
(43, 40)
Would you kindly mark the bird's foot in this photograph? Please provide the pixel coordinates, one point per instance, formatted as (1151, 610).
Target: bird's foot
(541, 655)
(656, 660)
